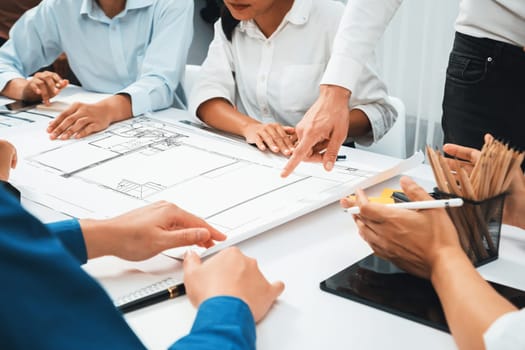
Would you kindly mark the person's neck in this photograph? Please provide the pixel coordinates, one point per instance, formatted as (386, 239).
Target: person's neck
(269, 21)
(112, 7)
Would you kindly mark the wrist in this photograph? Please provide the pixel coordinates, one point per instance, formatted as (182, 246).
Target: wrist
(15, 89)
(445, 262)
(358, 123)
(335, 93)
(246, 126)
(97, 235)
(4, 174)
(117, 107)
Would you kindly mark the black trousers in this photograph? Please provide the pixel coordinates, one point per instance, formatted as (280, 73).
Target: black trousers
(484, 92)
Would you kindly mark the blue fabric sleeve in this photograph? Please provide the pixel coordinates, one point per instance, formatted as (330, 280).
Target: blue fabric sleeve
(224, 323)
(10, 189)
(49, 302)
(70, 233)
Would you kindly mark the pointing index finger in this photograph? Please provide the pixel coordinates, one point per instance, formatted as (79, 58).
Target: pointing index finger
(299, 154)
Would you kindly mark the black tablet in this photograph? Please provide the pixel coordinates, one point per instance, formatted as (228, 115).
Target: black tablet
(380, 284)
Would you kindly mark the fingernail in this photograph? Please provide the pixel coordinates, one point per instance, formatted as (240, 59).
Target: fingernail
(329, 166)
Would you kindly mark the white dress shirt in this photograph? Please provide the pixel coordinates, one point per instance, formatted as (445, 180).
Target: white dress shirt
(365, 21)
(502, 20)
(507, 333)
(141, 52)
(277, 79)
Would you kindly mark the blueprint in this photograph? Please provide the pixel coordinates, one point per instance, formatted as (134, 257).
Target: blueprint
(21, 119)
(231, 185)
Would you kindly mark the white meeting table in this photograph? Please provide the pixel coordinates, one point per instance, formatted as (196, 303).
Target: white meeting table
(302, 253)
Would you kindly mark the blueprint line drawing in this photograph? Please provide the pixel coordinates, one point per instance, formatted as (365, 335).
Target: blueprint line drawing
(134, 157)
(233, 186)
(20, 119)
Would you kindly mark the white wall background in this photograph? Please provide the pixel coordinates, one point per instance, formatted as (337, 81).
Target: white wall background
(411, 58)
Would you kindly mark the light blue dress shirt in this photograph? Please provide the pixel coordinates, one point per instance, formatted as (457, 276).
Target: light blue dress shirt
(141, 52)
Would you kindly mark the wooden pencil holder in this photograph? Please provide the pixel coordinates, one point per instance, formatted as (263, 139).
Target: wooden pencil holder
(478, 224)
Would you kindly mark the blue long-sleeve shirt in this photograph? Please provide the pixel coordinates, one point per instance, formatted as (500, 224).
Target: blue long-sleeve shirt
(50, 302)
(141, 52)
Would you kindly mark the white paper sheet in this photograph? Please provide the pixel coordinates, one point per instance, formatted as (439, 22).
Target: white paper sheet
(235, 187)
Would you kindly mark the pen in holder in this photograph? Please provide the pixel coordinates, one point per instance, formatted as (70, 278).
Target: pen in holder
(478, 224)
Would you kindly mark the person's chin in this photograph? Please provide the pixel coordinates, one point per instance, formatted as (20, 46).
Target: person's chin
(240, 13)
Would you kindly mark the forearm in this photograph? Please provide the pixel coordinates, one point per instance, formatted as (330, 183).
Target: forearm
(471, 305)
(220, 114)
(15, 89)
(359, 123)
(103, 237)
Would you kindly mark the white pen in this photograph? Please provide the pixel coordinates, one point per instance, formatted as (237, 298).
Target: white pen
(440, 203)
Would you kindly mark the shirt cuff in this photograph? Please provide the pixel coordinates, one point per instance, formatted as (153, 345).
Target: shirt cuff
(11, 189)
(506, 332)
(70, 234)
(205, 93)
(222, 322)
(378, 121)
(140, 99)
(342, 71)
(7, 77)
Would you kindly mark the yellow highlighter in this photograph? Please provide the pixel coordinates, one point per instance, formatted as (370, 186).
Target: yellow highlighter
(384, 198)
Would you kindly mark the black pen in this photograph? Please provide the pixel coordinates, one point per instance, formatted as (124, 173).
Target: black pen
(163, 290)
(341, 157)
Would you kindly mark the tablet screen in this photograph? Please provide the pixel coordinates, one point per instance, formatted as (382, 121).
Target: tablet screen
(380, 284)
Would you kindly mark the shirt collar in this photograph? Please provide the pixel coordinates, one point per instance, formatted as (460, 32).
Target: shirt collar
(91, 8)
(298, 15)
(300, 12)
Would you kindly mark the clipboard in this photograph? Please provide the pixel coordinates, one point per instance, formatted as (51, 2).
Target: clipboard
(380, 284)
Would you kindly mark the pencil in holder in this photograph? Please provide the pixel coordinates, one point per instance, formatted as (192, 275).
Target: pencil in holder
(478, 224)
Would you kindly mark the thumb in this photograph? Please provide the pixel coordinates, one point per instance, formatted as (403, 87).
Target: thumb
(330, 156)
(187, 236)
(14, 160)
(413, 191)
(191, 262)
(289, 129)
(277, 289)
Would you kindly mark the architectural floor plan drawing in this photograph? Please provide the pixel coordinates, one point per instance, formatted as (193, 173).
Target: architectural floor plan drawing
(233, 186)
(21, 119)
